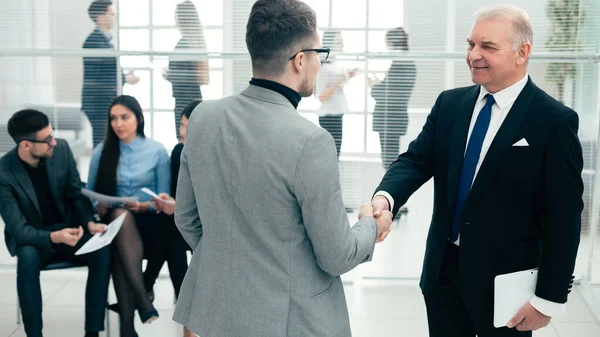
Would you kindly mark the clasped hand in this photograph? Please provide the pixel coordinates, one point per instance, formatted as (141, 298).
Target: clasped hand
(383, 219)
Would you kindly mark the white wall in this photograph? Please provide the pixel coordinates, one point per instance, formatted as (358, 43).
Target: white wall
(24, 25)
(70, 26)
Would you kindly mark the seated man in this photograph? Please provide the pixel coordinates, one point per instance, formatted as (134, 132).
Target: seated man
(43, 211)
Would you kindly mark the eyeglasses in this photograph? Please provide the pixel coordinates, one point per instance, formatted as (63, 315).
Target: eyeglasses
(323, 53)
(48, 140)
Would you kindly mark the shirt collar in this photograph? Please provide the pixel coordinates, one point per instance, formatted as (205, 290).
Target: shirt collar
(507, 96)
(108, 36)
(131, 146)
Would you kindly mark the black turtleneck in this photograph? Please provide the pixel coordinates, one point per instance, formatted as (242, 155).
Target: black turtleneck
(288, 93)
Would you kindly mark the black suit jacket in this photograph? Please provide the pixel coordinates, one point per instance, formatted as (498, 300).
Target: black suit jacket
(100, 75)
(175, 165)
(524, 208)
(19, 206)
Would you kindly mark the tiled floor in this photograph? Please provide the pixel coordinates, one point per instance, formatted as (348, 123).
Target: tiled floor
(377, 309)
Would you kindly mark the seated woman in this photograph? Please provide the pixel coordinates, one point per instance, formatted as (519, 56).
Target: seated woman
(120, 166)
(171, 247)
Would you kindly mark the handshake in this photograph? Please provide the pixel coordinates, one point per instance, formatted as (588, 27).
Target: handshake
(378, 209)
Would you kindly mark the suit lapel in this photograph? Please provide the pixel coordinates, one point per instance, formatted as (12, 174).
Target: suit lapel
(22, 177)
(503, 141)
(458, 142)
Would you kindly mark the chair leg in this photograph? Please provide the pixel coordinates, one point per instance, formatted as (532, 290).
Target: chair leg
(18, 311)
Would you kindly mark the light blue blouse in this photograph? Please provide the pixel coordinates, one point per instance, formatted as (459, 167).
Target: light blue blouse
(143, 163)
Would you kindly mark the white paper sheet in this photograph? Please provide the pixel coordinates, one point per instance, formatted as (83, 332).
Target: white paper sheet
(105, 199)
(103, 239)
(155, 196)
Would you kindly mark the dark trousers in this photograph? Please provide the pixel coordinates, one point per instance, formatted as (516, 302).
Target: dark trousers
(447, 313)
(31, 260)
(390, 147)
(334, 125)
(172, 248)
(98, 120)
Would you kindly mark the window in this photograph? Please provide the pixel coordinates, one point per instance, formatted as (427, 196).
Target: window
(362, 31)
(149, 25)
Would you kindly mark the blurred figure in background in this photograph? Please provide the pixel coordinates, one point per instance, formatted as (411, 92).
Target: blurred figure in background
(186, 77)
(100, 74)
(330, 88)
(390, 117)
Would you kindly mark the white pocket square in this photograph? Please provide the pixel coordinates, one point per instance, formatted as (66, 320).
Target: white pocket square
(522, 142)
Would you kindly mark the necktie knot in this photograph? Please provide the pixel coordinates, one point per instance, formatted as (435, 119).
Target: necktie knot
(490, 101)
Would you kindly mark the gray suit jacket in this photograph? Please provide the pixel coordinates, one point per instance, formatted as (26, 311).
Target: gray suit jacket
(20, 208)
(259, 202)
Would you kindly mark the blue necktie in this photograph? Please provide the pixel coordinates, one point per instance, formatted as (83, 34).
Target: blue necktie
(470, 163)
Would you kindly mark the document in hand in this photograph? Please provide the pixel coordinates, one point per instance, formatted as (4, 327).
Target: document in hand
(511, 292)
(155, 196)
(106, 199)
(103, 239)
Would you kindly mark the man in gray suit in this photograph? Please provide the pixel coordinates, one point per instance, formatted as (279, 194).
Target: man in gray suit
(259, 198)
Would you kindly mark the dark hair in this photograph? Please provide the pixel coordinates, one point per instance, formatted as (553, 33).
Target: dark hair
(98, 8)
(25, 124)
(189, 24)
(397, 39)
(276, 30)
(187, 111)
(106, 181)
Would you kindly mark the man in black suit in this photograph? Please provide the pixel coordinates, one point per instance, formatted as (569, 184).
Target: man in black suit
(100, 74)
(44, 212)
(506, 163)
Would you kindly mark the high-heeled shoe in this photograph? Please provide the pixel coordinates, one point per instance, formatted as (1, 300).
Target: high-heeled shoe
(115, 306)
(149, 316)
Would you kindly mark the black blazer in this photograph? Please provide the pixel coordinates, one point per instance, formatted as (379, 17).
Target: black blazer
(100, 75)
(175, 165)
(19, 206)
(524, 209)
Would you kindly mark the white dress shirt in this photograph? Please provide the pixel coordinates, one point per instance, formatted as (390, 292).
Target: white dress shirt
(329, 74)
(504, 101)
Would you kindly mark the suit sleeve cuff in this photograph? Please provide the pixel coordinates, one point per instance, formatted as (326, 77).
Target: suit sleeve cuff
(548, 308)
(373, 224)
(50, 244)
(388, 197)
